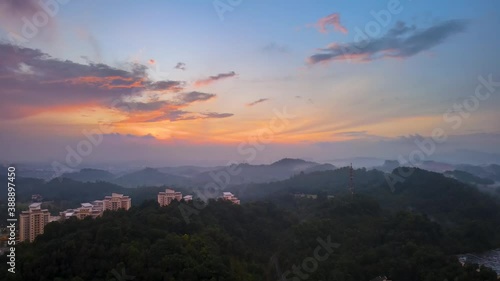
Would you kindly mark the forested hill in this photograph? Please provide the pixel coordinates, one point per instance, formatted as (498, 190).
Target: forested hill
(342, 239)
(373, 182)
(463, 209)
(331, 182)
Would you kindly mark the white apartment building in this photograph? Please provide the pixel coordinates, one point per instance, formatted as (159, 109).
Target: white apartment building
(230, 197)
(116, 201)
(32, 222)
(93, 210)
(169, 195)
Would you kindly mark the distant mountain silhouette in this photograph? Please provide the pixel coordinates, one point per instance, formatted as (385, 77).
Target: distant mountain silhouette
(366, 162)
(291, 162)
(432, 166)
(480, 172)
(490, 171)
(149, 177)
(279, 170)
(186, 171)
(468, 177)
(90, 175)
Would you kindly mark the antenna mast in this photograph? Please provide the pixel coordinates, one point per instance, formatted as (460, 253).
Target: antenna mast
(351, 180)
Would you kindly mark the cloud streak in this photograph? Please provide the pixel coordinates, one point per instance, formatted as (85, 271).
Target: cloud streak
(170, 110)
(401, 41)
(180, 65)
(273, 47)
(257, 102)
(212, 79)
(181, 115)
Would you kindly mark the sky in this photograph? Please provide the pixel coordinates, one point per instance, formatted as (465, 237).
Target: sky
(216, 82)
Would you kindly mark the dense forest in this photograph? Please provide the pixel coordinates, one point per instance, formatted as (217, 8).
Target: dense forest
(412, 231)
(471, 216)
(356, 239)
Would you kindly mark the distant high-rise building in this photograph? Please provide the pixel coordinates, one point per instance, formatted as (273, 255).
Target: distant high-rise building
(230, 197)
(32, 222)
(116, 201)
(169, 195)
(36, 198)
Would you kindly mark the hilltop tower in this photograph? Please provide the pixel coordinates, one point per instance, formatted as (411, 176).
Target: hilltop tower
(351, 180)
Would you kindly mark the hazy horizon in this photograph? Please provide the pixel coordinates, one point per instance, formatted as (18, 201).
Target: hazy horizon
(206, 85)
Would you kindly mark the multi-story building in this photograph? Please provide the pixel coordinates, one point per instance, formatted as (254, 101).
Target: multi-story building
(98, 204)
(169, 195)
(32, 222)
(67, 214)
(116, 201)
(94, 209)
(86, 210)
(188, 198)
(230, 197)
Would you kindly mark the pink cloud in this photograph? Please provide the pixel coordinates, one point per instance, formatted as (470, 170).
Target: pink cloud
(333, 20)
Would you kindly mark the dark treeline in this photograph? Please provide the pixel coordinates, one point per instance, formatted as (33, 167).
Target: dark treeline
(410, 232)
(255, 241)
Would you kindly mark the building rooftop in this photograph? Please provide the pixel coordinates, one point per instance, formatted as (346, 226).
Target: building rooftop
(35, 205)
(87, 205)
(116, 195)
(54, 218)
